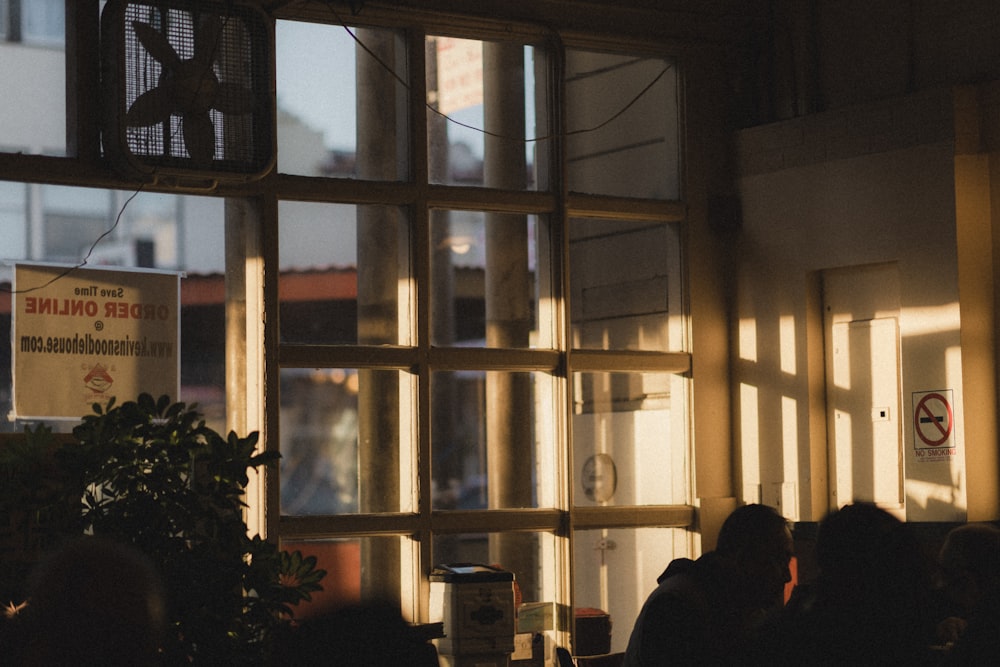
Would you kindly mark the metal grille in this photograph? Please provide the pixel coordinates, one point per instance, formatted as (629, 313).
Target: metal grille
(236, 43)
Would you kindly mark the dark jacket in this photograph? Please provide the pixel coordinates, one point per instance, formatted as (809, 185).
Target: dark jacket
(690, 618)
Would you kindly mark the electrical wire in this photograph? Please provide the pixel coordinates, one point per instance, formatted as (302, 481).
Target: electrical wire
(484, 131)
(635, 99)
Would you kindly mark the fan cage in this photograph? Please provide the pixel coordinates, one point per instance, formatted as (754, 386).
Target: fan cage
(243, 144)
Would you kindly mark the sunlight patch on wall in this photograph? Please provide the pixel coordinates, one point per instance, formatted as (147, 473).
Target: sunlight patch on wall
(749, 443)
(844, 461)
(927, 320)
(841, 356)
(786, 336)
(923, 494)
(789, 437)
(748, 339)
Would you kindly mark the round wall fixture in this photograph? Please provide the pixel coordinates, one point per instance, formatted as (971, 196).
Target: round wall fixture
(600, 477)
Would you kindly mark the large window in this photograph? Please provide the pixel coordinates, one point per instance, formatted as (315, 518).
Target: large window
(492, 343)
(456, 306)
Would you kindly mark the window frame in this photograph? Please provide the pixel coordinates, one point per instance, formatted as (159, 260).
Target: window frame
(252, 229)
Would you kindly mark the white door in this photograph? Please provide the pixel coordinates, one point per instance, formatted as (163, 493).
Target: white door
(863, 386)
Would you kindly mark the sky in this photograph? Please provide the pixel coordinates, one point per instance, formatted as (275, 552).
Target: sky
(316, 82)
(308, 53)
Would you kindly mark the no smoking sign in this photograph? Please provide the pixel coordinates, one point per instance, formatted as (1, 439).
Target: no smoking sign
(933, 424)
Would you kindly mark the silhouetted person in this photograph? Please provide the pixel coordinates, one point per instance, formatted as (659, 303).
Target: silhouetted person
(703, 612)
(970, 570)
(869, 604)
(94, 602)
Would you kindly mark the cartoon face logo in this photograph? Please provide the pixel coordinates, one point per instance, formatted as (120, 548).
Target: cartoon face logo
(98, 380)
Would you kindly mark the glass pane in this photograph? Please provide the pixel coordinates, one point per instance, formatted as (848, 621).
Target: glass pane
(625, 286)
(629, 439)
(342, 103)
(492, 440)
(358, 570)
(344, 274)
(487, 282)
(530, 556)
(33, 110)
(43, 22)
(68, 225)
(606, 558)
(346, 441)
(622, 128)
(487, 121)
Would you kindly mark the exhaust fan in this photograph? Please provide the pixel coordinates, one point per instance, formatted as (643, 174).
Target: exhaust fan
(189, 89)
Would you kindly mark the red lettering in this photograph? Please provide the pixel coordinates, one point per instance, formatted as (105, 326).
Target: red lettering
(73, 307)
(136, 311)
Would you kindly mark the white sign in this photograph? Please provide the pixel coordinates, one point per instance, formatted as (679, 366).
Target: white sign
(933, 425)
(459, 74)
(81, 336)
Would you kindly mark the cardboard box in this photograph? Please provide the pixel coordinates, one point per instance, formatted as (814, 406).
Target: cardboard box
(476, 605)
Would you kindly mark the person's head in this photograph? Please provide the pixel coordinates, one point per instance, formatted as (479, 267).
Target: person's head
(970, 563)
(868, 556)
(95, 601)
(756, 539)
(860, 540)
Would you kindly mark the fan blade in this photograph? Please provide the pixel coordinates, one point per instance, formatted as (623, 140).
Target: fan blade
(156, 44)
(199, 137)
(153, 106)
(235, 99)
(207, 38)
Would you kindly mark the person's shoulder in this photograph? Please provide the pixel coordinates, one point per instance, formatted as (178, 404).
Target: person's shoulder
(676, 567)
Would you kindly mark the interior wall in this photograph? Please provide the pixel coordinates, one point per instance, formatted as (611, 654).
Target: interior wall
(865, 185)
(819, 55)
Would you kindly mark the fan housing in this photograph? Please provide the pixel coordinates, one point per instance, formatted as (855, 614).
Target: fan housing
(188, 86)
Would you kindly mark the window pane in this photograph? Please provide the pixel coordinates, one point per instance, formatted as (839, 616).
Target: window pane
(13, 225)
(326, 415)
(68, 225)
(487, 281)
(615, 569)
(33, 110)
(359, 569)
(43, 22)
(342, 104)
(492, 438)
(629, 439)
(530, 556)
(487, 121)
(344, 274)
(625, 286)
(622, 125)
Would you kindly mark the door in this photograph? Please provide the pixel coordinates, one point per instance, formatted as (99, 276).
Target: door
(863, 386)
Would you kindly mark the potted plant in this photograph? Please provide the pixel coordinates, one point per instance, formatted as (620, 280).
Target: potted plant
(152, 474)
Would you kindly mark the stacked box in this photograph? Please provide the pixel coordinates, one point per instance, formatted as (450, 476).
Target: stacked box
(476, 605)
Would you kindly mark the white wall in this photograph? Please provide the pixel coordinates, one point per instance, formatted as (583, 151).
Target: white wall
(868, 185)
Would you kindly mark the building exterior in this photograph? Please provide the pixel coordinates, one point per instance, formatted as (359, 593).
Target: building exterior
(564, 300)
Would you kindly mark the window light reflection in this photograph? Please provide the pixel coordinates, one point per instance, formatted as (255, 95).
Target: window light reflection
(786, 336)
(750, 442)
(748, 339)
